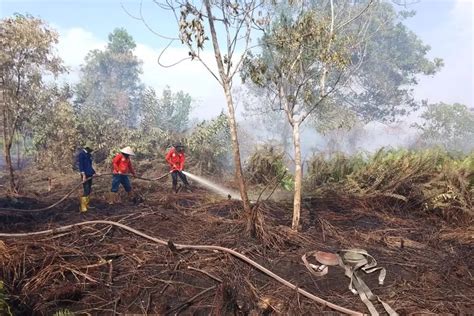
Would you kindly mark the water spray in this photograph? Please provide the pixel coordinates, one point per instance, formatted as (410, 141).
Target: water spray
(214, 187)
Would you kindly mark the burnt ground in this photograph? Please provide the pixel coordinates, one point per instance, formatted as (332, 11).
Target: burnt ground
(103, 270)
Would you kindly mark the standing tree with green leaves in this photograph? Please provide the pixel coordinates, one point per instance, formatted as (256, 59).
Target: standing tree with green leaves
(169, 113)
(108, 95)
(390, 65)
(448, 125)
(305, 56)
(110, 81)
(26, 55)
(229, 26)
(54, 129)
(360, 65)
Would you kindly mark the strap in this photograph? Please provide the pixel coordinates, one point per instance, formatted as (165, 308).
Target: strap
(353, 261)
(316, 270)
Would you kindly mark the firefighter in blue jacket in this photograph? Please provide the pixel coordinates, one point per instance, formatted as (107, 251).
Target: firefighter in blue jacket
(87, 172)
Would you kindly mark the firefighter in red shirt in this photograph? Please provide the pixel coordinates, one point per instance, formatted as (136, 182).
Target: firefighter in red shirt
(175, 158)
(122, 166)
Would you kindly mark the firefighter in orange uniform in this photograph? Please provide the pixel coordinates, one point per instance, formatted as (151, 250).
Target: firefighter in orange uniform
(175, 158)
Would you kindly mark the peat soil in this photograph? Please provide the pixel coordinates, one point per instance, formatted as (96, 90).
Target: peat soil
(103, 270)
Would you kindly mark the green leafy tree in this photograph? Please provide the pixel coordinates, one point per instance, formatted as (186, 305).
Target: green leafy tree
(337, 63)
(304, 58)
(26, 54)
(393, 58)
(110, 82)
(107, 133)
(54, 129)
(448, 125)
(169, 113)
(228, 25)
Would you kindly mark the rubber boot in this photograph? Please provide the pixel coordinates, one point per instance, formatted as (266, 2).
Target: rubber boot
(83, 207)
(88, 201)
(175, 189)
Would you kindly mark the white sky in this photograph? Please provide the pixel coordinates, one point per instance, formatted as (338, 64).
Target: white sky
(445, 25)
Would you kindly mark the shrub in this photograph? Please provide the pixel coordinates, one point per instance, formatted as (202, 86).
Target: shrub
(267, 165)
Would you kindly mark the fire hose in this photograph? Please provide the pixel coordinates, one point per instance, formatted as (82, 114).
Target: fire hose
(73, 190)
(234, 253)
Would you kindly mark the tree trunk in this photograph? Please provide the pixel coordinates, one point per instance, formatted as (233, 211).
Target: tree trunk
(226, 84)
(7, 145)
(285, 137)
(236, 152)
(18, 155)
(298, 177)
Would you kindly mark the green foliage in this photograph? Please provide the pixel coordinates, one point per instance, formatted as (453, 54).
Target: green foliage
(423, 181)
(375, 58)
(4, 307)
(267, 165)
(106, 133)
(27, 50)
(209, 145)
(448, 125)
(147, 144)
(113, 110)
(169, 113)
(451, 193)
(332, 170)
(63, 312)
(110, 85)
(394, 57)
(295, 50)
(26, 54)
(54, 130)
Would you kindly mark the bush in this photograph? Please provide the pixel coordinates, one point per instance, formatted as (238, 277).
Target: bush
(334, 169)
(209, 146)
(428, 181)
(267, 165)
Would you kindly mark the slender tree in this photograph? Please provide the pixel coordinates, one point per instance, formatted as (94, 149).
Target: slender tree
(110, 80)
(26, 55)
(336, 63)
(228, 24)
(302, 62)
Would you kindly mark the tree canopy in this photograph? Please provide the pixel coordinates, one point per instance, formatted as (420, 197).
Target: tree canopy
(448, 125)
(110, 81)
(27, 54)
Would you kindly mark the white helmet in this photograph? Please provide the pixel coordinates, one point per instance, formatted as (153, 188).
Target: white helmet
(128, 151)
